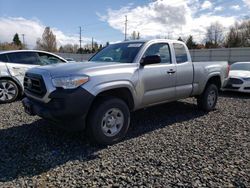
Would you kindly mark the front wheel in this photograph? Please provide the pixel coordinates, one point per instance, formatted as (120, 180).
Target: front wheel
(208, 99)
(108, 121)
(8, 91)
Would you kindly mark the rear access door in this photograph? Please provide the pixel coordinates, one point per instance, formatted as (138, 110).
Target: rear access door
(184, 71)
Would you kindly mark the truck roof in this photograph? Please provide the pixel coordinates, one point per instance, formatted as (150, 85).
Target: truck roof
(153, 40)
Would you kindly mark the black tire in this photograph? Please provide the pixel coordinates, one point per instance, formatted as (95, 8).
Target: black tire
(97, 122)
(8, 91)
(208, 99)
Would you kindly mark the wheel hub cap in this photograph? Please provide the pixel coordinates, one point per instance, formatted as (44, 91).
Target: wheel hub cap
(112, 122)
(211, 98)
(7, 91)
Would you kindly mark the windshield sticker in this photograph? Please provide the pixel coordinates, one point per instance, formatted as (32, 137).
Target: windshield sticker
(134, 45)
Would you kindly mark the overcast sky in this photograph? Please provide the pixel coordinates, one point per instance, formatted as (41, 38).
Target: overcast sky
(104, 20)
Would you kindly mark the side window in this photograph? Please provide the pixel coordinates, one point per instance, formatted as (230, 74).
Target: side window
(29, 58)
(180, 53)
(160, 49)
(3, 58)
(47, 59)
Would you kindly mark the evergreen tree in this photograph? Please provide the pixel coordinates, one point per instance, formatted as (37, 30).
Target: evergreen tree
(190, 43)
(180, 39)
(16, 40)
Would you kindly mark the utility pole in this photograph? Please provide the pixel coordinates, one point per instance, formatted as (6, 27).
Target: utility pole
(126, 24)
(80, 37)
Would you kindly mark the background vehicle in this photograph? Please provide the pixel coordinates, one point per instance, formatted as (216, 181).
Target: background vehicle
(239, 77)
(14, 64)
(122, 77)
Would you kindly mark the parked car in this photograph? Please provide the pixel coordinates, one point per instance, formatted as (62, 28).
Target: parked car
(70, 60)
(122, 77)
(239, 77)
(14, 64)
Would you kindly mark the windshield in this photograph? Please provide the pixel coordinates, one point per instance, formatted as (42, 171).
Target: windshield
(241, 66)
(119, 53)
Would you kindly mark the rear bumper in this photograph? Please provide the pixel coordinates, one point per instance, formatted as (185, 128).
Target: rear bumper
(68, 108)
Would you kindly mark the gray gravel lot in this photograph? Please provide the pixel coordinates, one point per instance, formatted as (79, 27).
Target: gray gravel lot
(173, 145)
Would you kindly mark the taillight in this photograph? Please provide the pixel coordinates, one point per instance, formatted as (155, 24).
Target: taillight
(228, 70)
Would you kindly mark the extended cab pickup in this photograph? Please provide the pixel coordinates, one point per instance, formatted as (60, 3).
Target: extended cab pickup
(98, 95)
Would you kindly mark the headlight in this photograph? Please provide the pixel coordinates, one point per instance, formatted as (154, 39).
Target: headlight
(246, 79)
(69, 82)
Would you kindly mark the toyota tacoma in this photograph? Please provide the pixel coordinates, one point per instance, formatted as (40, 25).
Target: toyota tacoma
(98, 95)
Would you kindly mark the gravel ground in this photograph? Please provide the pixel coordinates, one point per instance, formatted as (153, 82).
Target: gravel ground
(172, 145)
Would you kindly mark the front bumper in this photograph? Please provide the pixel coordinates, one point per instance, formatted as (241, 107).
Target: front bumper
(68, 108)
(242, 86)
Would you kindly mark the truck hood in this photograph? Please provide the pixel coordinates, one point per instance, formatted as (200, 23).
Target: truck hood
(87, 68)
(239, 73)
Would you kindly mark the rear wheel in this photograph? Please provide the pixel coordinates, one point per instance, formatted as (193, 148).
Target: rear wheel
(108, 121)
(208, 99)
(8, 91)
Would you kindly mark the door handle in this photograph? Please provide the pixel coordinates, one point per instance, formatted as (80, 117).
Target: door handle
(171, 71)
(16, 68)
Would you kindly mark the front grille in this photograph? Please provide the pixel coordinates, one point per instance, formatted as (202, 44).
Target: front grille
(34, 84)
(235, 81)
(247, 88)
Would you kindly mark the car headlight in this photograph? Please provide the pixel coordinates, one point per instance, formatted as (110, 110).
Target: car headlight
(246, 79)
(69, 82)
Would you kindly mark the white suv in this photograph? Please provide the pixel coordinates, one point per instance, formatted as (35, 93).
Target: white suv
(14, 64)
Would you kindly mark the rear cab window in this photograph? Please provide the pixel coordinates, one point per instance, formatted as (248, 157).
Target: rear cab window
(180, 53)
(27, 58)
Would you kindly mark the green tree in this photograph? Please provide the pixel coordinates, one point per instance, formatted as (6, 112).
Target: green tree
(16, 40)
(80, 51)
(48, 41)
(180, 39)
(190, 43)
(100, 47)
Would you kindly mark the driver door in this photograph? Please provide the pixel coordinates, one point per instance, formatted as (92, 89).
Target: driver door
(158, 80)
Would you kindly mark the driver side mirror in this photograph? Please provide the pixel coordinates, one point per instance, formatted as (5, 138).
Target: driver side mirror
(151, 59)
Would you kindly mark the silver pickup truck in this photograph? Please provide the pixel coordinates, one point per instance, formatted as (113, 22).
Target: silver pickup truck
(99, 94)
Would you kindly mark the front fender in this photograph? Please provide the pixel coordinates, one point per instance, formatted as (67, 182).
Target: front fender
(112, 85)
(97, 89)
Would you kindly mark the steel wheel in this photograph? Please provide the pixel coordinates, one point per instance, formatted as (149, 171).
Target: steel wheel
(211, 98)
(208, 99)
(108, 121)
(112, 122)
(8, 91)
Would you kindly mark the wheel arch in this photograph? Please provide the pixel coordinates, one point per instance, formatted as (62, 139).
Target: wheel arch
(214, 79)
(123, 93)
